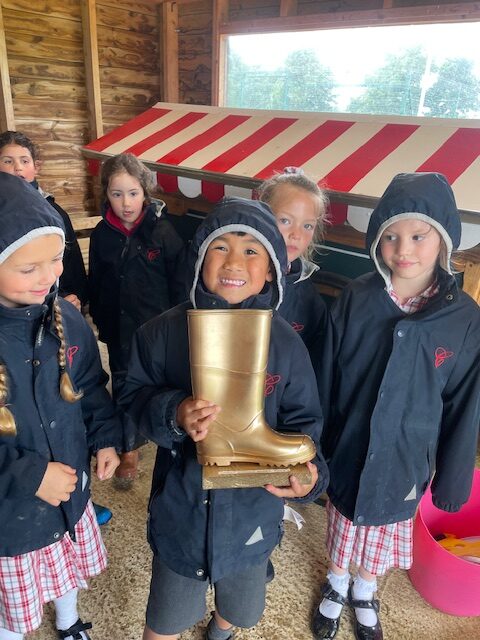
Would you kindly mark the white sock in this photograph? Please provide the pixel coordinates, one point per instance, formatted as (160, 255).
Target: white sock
(363, 590)
(66, 611)
(331, 609)
(5, 634)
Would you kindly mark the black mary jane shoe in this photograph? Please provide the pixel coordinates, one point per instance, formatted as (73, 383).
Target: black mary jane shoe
(75, 631)
(324, 628)
(362, 632)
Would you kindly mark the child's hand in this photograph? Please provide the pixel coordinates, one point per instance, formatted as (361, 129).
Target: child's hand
(58, 483)
(295, 490)
(72, 298)
(195, 416)
(107, 462)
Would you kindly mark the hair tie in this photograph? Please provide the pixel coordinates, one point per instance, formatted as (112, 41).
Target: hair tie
(293, 170)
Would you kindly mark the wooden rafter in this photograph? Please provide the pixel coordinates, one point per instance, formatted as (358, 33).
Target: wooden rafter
(220, 18)
(169, 46)
(7, 118)
(92, 68)
(374, 17)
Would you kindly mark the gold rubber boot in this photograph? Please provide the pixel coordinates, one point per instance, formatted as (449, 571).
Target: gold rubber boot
(228, 360)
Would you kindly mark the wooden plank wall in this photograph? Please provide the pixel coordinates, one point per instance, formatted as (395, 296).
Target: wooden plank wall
(47, 76)
(46, 67)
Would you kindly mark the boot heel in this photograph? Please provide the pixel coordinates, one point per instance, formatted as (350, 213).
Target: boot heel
(214, 461)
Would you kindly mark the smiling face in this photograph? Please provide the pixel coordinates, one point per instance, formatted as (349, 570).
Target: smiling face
(29, 273)
(410, 249)
(296, 211)
(126, 197)
(236, 267)
(18, 161)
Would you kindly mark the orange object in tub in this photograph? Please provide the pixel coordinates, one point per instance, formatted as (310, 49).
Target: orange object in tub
(462, 547)
(449, 582)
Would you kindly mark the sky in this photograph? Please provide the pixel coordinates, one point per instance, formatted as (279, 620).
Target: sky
(354, 53)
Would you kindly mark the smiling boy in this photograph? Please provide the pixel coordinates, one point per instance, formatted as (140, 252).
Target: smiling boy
(223, 537)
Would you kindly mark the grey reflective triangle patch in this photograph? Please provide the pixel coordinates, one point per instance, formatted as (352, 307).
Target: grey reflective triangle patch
(413, 494)
(256, 536)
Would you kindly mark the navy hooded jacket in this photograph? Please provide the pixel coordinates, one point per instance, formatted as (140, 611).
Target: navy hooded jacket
(134, 278)
(404, 403)
(206, 534)
(303, 307)
(49, 429)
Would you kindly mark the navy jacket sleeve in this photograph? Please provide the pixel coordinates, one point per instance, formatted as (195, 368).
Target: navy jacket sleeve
(104, 429)
(146, 398)
(175, 261)
(94, 269)
(74, 277)
(458, 439)
(21, 472)
(300, 411)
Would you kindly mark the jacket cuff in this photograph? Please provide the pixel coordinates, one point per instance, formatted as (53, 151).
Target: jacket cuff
(176, 432)
(446, 506)
(29, 483)
(320, 486)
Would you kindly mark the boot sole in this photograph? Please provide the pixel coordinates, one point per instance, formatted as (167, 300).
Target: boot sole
(226, 462)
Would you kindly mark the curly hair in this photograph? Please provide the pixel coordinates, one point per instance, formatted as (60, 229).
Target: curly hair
(127, 163)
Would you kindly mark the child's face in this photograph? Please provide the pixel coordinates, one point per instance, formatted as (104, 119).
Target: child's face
(236, 267)
(410, 249)
(126, 197)
(29, 273)
(296, 211)
(18, 161)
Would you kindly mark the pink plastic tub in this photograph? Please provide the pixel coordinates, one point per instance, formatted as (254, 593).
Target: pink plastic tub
(447, 582)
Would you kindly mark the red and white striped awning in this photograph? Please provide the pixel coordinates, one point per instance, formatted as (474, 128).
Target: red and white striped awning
(212, 151)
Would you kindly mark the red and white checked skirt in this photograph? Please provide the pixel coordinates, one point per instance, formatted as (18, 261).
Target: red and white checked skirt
(30, 580)
(376, 549)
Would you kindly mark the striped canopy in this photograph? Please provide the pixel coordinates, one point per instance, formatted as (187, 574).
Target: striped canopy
(209, 151)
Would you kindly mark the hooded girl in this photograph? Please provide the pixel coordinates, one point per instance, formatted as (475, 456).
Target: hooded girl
(403, 401)
(55, 413)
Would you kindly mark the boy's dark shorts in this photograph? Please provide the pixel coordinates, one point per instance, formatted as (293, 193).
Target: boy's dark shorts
(176, 603)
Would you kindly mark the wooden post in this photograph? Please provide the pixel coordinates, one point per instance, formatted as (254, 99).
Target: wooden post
(220, 16)
(92, 68)
(471, 280)
(288, 8)
(169, 46)
(7, 118)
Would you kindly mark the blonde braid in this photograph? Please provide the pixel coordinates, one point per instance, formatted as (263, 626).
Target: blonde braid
(67, 391)
(7, 421)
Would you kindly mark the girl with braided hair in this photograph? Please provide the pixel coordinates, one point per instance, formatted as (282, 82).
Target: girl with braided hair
(55, 413)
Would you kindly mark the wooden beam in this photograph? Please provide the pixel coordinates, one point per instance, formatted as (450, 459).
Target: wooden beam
(431, 14)
(7, 118)
(92, 68)
(288, 8)
(169, 46)
(219, 62)
(471, 280)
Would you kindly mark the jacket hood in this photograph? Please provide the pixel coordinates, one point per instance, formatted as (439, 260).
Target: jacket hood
(418, 196)
(24, 215)
(232, 215)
